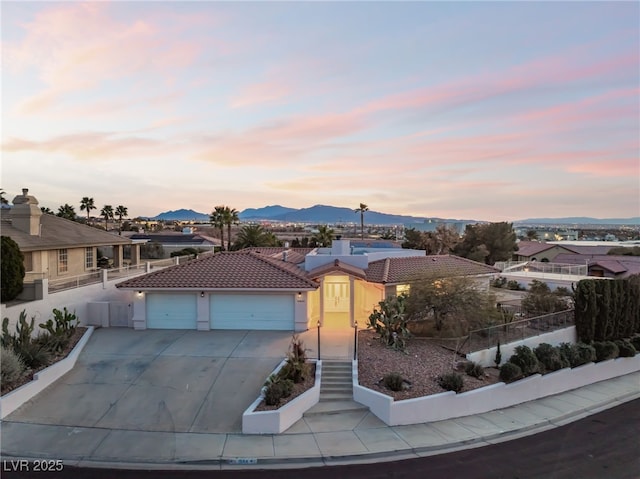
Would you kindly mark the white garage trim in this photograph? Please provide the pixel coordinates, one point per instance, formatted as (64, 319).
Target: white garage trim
(252, 311)
(171, 311)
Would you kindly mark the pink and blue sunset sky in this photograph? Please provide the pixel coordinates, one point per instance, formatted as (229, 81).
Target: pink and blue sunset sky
(491, 111)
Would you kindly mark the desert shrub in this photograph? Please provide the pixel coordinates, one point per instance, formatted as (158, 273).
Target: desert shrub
(526, 360)
(549, 357)
(499, 282)
(451, 382)
(390, 322)
(296, 367)
(23, 334)
(276, 388)
(585, 353)
(11, 365)
(510, 372)
(513, 285)
(34, 354)
(578, 354)
(605, 350)
(474, 370)
(636, 342)
(393, 381)
(59, 330)
(625, 348)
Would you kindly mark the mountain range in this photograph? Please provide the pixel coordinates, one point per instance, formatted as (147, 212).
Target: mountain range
(314, 214)
(338, 215)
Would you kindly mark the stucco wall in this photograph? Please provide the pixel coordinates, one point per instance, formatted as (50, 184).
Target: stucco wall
(447, 405)
(486, 357)
(75, 300)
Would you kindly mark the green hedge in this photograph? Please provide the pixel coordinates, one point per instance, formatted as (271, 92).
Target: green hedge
(606, 310)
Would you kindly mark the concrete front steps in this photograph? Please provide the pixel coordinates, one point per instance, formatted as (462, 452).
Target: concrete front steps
(336, 390)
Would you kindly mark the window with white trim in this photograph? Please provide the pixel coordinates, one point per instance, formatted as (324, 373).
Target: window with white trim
(63, 261)
(88, 258)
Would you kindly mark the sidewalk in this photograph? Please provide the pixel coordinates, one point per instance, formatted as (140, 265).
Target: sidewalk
(322, 439)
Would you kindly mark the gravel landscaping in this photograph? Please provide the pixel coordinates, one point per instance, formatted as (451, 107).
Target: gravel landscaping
(421, 365)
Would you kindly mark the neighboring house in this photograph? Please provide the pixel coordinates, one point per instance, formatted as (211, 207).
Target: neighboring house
(55, 248)
(285, 288)
(604, 266)
(536, 251)
(177, 241)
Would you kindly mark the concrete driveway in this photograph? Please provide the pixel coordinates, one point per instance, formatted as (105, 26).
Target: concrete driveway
(161, 380)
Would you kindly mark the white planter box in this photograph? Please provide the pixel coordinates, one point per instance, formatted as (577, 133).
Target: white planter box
(279, 420)
(448, 405)
(16, 398)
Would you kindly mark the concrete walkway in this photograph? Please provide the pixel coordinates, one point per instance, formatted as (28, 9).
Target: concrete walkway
(349, 437)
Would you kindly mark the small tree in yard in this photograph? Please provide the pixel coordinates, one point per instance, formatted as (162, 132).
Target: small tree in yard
(451, 299)
(12, 277)
(540, 300)
(390, 322)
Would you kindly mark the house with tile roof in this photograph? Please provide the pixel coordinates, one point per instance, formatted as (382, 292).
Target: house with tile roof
(285, 288)
(603, 265)
(537, 251)
(55, 248)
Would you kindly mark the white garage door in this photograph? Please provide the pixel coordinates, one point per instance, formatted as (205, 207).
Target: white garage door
(252, 311)
(171, 311)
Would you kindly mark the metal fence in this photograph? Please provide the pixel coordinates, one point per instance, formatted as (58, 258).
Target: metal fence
(62, 284)
(517, 330)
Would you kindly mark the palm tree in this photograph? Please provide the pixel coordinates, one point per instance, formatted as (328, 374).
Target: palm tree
(324, 236)
(216, 218)
(254, 235)
(361, 210)
(46, 210)
(121, 211)
(3, 200)
(107, 213)
(230, 216)
(88, 204)
(67, 211)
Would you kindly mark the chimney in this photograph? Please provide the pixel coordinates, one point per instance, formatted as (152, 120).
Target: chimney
(25, 213)
(285, 253)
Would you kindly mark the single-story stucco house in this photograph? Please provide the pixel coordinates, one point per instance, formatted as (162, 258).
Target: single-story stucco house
(285, 288)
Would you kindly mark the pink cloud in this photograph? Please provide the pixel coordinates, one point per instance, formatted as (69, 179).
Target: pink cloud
(629, 167)
(88, 146)
(81, 46)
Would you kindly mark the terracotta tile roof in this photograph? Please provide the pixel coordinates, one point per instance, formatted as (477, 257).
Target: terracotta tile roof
(59, 233)
(591, 250)
(337, 267)
(228, 270)
(611, 265)
(401, 270)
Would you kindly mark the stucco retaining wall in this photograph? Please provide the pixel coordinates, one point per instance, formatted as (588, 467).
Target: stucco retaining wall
(281, 419)
(41, 380)
(486, 357)
(447, 405)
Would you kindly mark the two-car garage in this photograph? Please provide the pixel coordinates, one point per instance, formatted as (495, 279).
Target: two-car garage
(226, 311)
